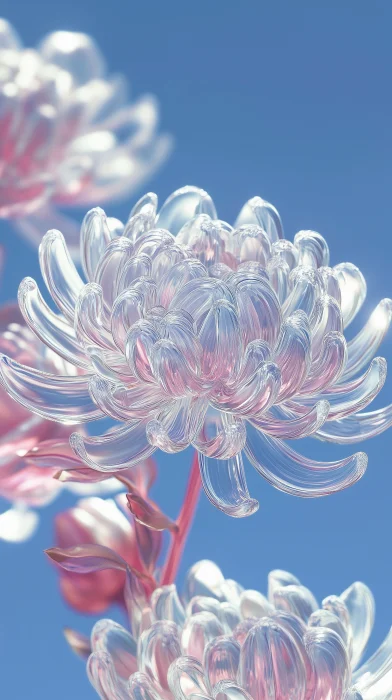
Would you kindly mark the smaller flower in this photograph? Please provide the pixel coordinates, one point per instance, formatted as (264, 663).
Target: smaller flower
(68, 134)
(220, 641)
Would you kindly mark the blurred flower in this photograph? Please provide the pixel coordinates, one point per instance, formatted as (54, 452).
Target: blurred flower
(190, 331)
(221, 641)
(68, 134)
(95, 522)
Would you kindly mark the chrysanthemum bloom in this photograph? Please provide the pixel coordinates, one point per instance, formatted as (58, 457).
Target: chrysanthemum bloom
(68, 134)
(190, 331)
(223, 642)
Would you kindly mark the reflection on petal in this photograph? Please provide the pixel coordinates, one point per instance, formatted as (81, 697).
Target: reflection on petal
(225, 485)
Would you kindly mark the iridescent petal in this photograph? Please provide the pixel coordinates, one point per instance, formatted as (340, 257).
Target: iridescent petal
(177, 425)
(313, 249)
(199, 629)
(360, 426)
(292, 354)
(294, 428)
(182, 205)
(222, 435)
(59, 272)
(102, 676)
(295, 599)
(352, 288)
(141, 688)
(228, 690)
(94, 237)
(203, 578)
(373, 678)
(225, 485)
(119, 449)
(270, 663)
(186, 677)
(290, 472)
(167, 605)
(158, 647)
(260, 212)
(221, 659)
(110, 637)
(330, 663)
(254, 605)
(365, 344)
(361, 608)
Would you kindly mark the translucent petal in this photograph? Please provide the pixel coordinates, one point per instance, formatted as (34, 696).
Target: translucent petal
(225, 485)
(290, 472)
(177, 326)
(221, 342)
(258, 307)
(124, 404)
(203, 578)
(102, 676)
(222, 435)
(110, 266)
(134, 268)
(326, 618)
(345, 399)
(295, 599)
(330, 281)
(362, 348)
(294, 428)
(241, 631)
(228, 690)
(182, 205)
(138, 349)
(198, 295)
(352, 288)
(94, 237)
(286, 251)
(271, 664)
(52, 329)
(373, 679)
(110, 637)
(158, 647)
(186, 677)
(75, 53)
(252, 396)
(313, 249)
(292, 354)
(176, 426)
(119, 449)
(176, 278)
(127, 310)
(306, 288)
(279, 276)
(167, 605)
(327, 368)
(172, 371)
(221, 659)
(360, 426)
(360, 604)
(260, 212)
(254, 605)
(278, 579)
(202, 603)
(141, 688)
(65, 399)
(250, 242)
(327, 653)
(90, 321)
(59, 272)
(326, 318)
(199, 629)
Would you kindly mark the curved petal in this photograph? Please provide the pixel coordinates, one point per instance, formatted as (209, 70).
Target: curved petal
(363, 347)
(141, 688)
(59, 272)
(94, 237)
(291, 472)
(75, 53)
(52, 329)
(186, 677)
(123, 404)
(359, 601)
(221, 659)
(158, 647)
(293, 353)
(360, 426)
(328, 366)
(176, 426)
(295, 599)
(102, 676)
(328, 656)
(60, 398)
(225, 485)
(89, 318)
(312, 249)
(260, 212)
(119, 449)
(352, 289)
(306, 288)
(294, 428)
(112, 638)
(182, 205)
(373, 679)
(222, 436)
(199, 629)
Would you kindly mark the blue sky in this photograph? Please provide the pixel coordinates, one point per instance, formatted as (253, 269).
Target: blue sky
(291, 101)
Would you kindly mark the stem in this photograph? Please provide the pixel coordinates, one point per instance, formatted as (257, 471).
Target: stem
(184, 522)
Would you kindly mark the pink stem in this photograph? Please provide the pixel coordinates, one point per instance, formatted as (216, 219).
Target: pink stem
(184, 522)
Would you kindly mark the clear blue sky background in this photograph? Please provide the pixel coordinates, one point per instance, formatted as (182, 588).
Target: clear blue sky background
(292, 101)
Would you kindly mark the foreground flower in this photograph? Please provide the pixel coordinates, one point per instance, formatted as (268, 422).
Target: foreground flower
(190, 331)
(221, 641)
(68, 135)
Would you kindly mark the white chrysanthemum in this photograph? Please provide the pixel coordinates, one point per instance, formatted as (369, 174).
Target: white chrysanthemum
(68, 134)
(224, 643)
(188, 330)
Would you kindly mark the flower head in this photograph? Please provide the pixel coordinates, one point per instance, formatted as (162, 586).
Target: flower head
(220, 641)
(188, 330)
(69, 135)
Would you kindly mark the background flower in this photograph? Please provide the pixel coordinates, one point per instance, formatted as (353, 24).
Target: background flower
(69, 135)
(191, 331)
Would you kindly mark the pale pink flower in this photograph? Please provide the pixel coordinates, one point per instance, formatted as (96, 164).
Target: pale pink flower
(68, 134)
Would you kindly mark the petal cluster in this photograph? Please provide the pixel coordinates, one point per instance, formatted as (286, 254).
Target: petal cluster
(189, 331)
(69, 135)
(219, 641)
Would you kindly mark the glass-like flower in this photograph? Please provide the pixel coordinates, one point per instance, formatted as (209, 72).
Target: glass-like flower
(223, 642)
(68, 134)
(188, 330)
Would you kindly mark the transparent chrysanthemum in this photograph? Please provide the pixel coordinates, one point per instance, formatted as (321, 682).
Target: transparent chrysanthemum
(189, 331)
(223, 642)
(68, 134)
